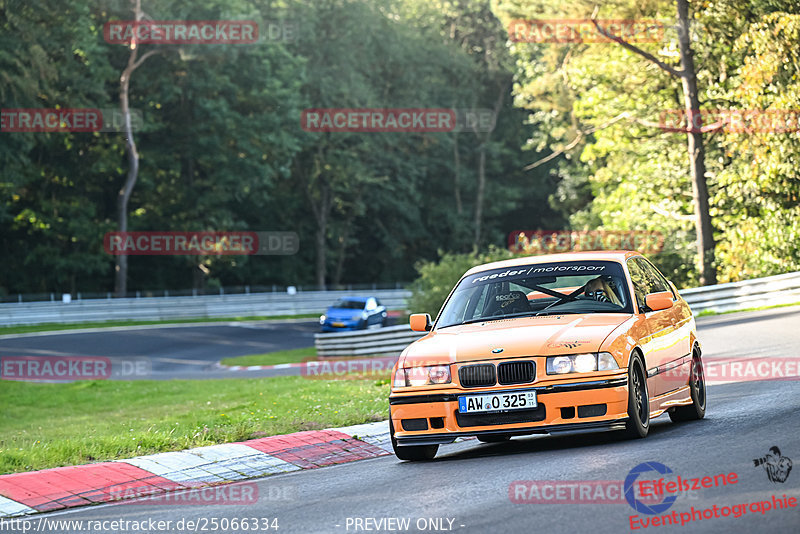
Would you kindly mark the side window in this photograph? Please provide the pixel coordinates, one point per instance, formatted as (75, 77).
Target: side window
(639, 281)
(655, 281)
(371, 305)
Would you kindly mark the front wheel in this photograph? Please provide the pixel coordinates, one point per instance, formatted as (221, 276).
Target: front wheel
(638, 424)
(697, 387)
(412, 453)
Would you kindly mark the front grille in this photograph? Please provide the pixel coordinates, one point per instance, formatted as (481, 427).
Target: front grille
(501, 418)
(474, 376)
(515, 373)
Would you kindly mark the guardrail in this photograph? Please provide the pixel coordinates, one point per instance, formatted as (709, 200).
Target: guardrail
(767, 291)
(206, 306)
(389, 341)
(771, 290)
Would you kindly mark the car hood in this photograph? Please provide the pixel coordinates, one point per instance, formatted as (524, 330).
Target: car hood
(342, 313)
(523, 336)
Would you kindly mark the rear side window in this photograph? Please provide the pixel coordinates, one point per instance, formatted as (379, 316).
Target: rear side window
(656, 283)
(646, 279)
(647, 266)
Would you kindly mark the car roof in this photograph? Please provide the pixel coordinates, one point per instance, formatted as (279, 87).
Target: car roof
(355, 299)
(607, 255)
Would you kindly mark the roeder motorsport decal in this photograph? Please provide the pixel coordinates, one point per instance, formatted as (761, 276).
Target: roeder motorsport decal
(543, 269)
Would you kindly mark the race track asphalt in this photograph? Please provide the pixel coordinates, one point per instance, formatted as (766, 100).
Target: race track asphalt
(469, 482)
(185, 351)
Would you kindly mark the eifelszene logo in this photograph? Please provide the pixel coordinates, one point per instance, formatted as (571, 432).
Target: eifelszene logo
(777, 466)
(638, 505)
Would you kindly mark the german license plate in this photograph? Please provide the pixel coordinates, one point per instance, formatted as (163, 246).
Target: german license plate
(497, 402)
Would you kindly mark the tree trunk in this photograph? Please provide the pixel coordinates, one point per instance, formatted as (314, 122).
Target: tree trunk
(457, 174)
(703, 228)
(484, 142)
(479, 195)
(697, 165)
(321, 249)
(321, 211)
(124, 195)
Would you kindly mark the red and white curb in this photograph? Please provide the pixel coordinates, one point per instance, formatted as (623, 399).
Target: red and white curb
(67, 487)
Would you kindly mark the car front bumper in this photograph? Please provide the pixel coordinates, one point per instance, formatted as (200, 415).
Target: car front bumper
(346, 325)
(580, 406)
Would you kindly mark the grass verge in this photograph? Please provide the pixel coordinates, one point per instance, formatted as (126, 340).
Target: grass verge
(53, 327)
(52, 425)
(273, 358)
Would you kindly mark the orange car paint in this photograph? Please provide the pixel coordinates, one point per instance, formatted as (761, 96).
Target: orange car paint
(666, 336)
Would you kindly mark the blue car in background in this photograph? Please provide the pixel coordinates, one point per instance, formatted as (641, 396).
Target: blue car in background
(354, 313)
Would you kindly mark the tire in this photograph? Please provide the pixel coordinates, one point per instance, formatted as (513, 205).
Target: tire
(638, 424)
(697, 386)
(494, 439)
(412, 453)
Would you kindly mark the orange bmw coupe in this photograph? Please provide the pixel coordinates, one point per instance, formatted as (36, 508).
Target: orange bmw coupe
(584, 341)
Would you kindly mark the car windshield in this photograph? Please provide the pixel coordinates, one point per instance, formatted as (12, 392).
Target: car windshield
(538, 289)
(349, 304)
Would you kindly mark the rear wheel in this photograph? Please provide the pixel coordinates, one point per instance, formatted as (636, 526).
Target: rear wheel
(412, 453)
(697, 387)
(638, 424)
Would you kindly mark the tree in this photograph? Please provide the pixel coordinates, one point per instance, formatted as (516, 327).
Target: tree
(696, 150)
(124, 195)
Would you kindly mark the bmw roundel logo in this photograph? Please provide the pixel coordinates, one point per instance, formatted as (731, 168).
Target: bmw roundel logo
(497, 351)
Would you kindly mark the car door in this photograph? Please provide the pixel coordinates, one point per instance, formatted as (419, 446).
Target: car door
(679, 337)
(656, 343)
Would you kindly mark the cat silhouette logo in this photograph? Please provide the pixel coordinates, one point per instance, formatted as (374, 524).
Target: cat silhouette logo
(778, 467)
(567, 344)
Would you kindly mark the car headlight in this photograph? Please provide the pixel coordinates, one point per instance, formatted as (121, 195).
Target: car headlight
(606, 362)
(581, 363)
(322, 319)
(422, 376)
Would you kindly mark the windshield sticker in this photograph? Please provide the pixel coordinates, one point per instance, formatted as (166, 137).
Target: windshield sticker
(542, 269)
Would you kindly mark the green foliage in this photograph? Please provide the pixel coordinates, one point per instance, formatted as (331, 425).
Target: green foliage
(222, 149)
(631, 174)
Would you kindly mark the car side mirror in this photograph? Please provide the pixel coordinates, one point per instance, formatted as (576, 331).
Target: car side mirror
(658, 301)
(420, 322)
